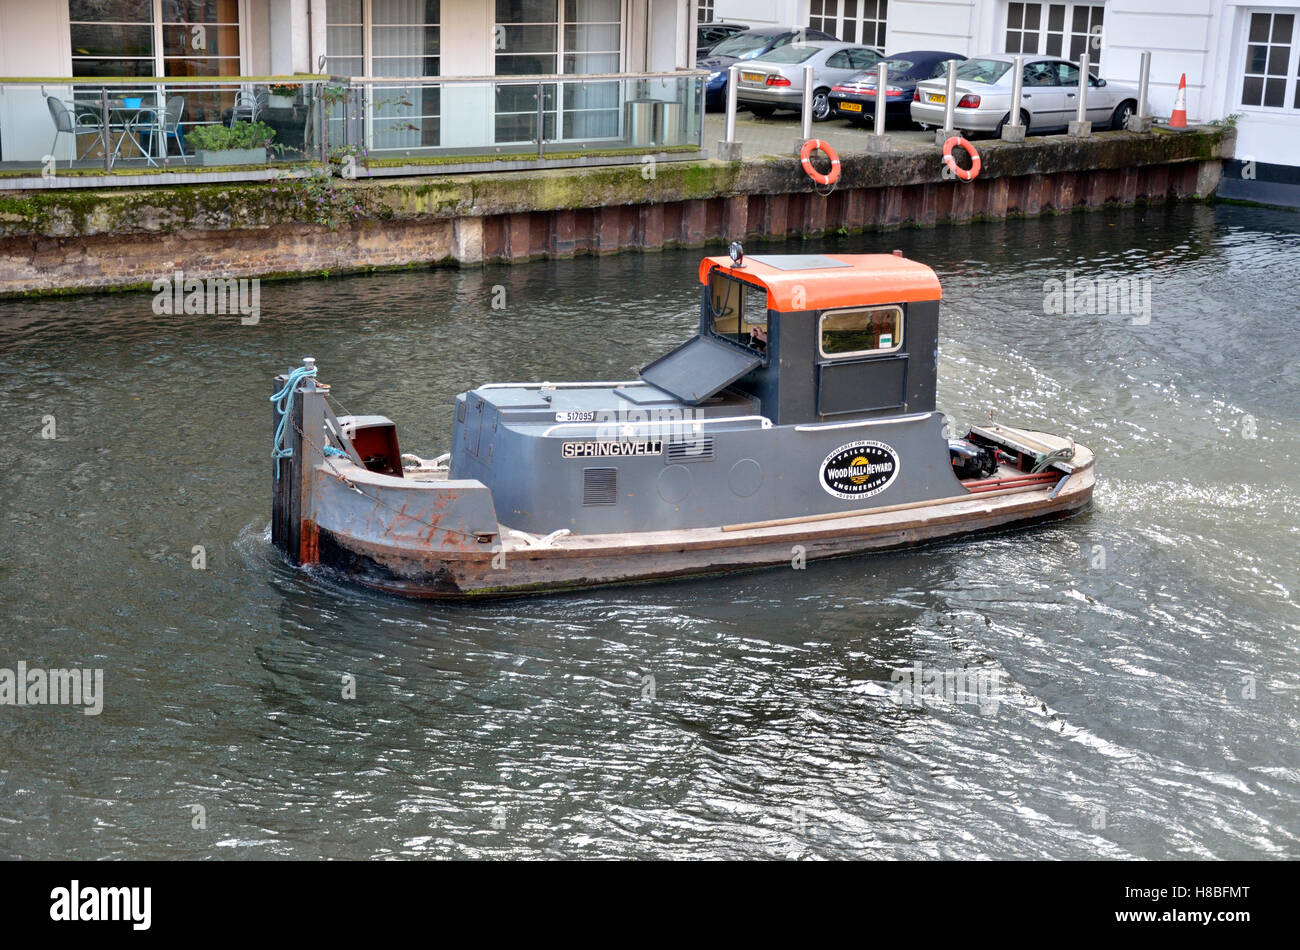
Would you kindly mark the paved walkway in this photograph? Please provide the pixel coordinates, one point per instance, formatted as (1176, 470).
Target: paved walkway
(776, 135)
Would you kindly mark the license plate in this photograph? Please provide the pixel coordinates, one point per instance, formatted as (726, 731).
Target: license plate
(936, 97)
(850, 107)
(753, 77)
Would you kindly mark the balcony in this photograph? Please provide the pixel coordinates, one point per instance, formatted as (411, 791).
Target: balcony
(66, 133)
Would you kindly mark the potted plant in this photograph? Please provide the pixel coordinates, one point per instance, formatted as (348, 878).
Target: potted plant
(243, 143)
(282, 95)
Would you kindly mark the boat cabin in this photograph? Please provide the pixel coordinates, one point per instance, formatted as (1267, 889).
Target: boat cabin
(812, 337)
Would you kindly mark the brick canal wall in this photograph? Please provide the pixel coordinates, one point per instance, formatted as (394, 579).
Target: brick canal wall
(54, 241)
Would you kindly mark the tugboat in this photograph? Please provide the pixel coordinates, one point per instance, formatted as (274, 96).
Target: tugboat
(799, 423)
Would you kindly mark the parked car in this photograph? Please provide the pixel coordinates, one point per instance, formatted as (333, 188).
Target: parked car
(775, 80)
(855, 97)
(1049, 96)
(744, 46)
(709, 35)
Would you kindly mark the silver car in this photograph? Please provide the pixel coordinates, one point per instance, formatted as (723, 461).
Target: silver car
(1049, 96)
(775, 80)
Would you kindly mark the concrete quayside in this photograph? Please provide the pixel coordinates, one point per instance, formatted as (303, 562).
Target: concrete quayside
(58, 241)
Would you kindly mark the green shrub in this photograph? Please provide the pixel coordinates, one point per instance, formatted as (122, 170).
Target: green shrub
(219, 138)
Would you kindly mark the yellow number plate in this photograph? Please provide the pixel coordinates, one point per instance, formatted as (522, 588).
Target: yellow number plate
(753, 77)
(933, 97)
(851, 106)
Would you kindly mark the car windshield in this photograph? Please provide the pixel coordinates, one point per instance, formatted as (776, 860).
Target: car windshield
(983, 70)
(789, 54)
(742, 44)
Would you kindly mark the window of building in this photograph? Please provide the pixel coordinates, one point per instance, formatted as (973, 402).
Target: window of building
(854, 21)
(382, 37)
(1055, 29)
(705, 11)
(1269, 43)
(154, 37)
(569, 37)
(192, 38)
(392, 39)
(861, 332)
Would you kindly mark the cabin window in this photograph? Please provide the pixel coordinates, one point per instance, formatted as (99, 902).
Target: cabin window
(861, 332)
(739, 311)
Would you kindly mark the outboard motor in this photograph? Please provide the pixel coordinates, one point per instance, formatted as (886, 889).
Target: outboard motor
(970, 460)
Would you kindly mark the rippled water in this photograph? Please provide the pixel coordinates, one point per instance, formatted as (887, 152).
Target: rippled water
(1148, 706)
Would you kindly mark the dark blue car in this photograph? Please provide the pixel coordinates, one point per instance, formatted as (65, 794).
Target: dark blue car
(747, 45)
(855, 97)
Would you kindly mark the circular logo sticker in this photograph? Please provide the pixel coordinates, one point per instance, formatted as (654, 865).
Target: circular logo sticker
(859, 470)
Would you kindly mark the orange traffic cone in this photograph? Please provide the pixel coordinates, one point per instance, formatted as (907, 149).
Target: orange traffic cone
(1178, 118)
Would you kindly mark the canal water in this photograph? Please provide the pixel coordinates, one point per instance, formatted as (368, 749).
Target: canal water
(1136, 669)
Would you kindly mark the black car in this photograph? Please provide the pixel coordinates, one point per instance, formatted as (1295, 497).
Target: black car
(855, 98)
(753, 42)
(709, 35)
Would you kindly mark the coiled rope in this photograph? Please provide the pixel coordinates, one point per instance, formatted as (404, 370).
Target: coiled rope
(281, 400)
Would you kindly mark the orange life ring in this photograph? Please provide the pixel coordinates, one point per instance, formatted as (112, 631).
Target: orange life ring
(962, 173)
(805, 157)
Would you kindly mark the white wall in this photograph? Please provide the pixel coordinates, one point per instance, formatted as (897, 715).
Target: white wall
(467, 50)
(762, 12)
(33, 42)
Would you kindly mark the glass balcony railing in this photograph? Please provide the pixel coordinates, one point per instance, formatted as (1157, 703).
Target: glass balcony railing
(131, 125)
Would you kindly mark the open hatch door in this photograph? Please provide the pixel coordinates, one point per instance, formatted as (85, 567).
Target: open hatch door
(699, 368)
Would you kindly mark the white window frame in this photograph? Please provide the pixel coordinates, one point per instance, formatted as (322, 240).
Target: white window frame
(1068, 34)
(368, 41)
(1289, 106)
(159, 53)
(858, 19)
(704, 13)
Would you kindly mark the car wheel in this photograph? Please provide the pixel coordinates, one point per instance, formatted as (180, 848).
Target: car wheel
(1123, 112)
(1024, 120)
(763, 112)
(821, 105)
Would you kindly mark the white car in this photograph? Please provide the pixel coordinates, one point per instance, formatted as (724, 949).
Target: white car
(775, 80)
(1049, 96)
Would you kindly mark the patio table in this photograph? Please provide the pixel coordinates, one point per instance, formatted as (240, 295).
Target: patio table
(126, 120)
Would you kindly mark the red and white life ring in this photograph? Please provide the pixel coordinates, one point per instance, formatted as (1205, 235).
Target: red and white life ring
(962, 173)
(805, 157)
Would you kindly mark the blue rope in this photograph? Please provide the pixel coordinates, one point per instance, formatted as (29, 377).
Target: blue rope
(282, 401)
(330, 450)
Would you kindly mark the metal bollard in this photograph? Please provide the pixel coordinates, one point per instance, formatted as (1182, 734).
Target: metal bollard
(729, 150)
(1081, 127)
(733, 80)
(948, 104)
(1082, 115)
(806, 129)
(1142, 121)
(1017, 90)
(882, 77)
(1014, 130)
(1144, 83)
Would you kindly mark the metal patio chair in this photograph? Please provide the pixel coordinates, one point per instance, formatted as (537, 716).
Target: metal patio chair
(249, 103)
(83, 123)
(168, 125)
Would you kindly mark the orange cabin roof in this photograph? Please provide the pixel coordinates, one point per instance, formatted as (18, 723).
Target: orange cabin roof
(869, 279)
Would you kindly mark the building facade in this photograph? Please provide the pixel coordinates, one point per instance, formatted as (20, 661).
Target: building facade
(1239, 57)
(84, 39)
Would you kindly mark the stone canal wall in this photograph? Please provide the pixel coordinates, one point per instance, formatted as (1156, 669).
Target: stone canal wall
(57, 240)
